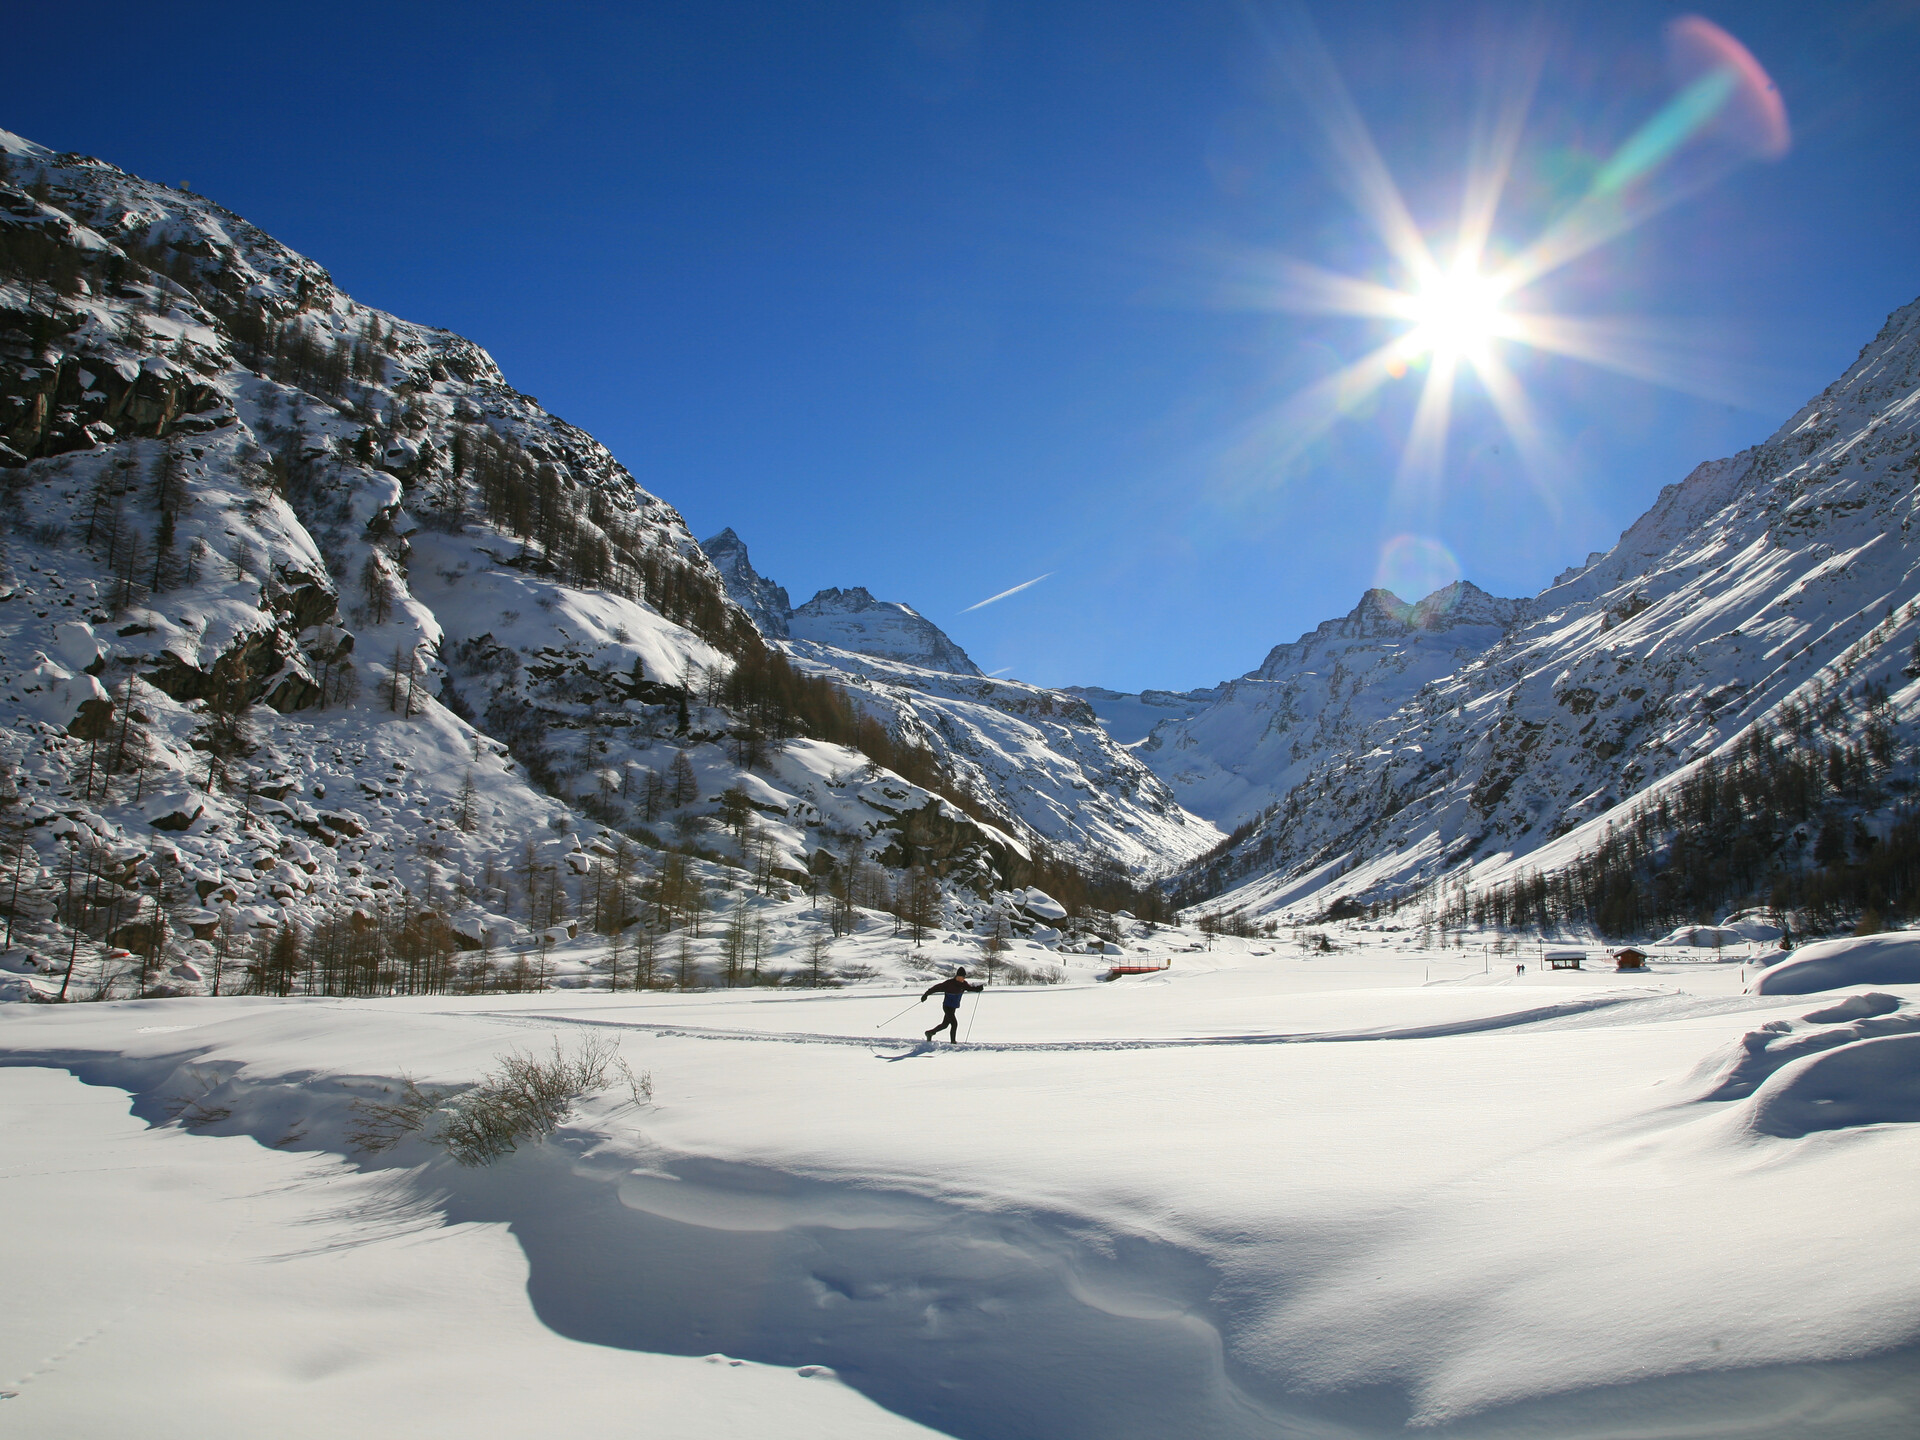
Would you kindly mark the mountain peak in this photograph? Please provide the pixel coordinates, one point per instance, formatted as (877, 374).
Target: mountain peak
(852, 619)
(765, 601)
(1381, 612)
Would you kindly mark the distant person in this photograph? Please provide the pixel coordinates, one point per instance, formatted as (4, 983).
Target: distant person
(950, 992)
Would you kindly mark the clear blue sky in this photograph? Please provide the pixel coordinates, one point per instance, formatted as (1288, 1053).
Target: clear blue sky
(938, 297)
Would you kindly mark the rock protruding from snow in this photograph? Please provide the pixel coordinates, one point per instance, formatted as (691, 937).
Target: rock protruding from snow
(765, 601)
(1037, 902)
(854, 620)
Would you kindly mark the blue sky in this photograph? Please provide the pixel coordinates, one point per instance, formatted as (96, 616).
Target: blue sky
(937, 297)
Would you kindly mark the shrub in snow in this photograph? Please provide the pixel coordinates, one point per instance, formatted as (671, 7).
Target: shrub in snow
(525, 1098)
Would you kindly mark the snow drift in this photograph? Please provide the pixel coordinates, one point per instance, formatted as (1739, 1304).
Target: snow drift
(1834, 964)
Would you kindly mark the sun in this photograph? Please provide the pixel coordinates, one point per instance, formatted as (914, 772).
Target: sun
(1444, 315)
(1455, 314)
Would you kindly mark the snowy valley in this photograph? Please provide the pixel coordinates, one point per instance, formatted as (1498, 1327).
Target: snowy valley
(509, 919)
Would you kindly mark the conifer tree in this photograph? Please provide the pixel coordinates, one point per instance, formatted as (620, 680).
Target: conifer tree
(166, 560)
(686, 789)
(464, 809)
(819, 943)
(376, 589)
(646, 955)
(998, 938)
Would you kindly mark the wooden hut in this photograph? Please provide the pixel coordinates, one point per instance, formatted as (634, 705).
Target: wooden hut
(1629, 958)
(1565, 959)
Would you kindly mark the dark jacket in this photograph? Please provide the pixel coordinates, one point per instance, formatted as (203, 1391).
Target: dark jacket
(950, 991)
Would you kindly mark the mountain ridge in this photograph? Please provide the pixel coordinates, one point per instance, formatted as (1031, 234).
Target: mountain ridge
(1748, 594)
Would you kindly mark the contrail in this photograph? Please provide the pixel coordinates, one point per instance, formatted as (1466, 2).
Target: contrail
(1004, 593)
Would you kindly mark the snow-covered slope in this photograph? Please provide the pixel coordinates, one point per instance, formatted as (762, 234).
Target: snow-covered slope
(1039, 756)
(308, 618)
(1130, 717)
(854, 620)
(1265, 732)
(1263, 1193)
(1768, 602)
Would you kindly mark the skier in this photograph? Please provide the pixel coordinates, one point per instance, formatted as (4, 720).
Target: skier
(950, 992)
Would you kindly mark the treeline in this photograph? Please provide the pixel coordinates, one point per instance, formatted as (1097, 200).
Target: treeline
(1228, 861)
(777, 702)
(1779, 823)
(1087, 890)
(290, 350)
(40, 258)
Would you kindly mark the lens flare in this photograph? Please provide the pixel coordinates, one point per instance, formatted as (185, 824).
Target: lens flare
(1724, 110)
(1414, 566)
(1753, 117)
(1724, 95)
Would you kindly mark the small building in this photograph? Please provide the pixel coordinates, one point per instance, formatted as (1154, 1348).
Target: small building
(1629, 958)
(1565, 959)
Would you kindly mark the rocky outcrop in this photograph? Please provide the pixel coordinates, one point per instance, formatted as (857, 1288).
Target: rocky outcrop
(765, 601)
(953, 846)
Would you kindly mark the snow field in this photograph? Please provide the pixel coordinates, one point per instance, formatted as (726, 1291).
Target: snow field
(174, 1285)
(1365, 1201)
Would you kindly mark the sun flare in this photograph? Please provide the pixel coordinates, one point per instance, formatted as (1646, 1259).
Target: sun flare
(1443, 317)
(1455, 314)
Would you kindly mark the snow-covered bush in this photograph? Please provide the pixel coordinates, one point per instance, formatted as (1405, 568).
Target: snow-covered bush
(525, 1098)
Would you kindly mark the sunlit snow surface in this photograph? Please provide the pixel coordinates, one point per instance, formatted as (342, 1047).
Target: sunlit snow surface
(1264, 1192)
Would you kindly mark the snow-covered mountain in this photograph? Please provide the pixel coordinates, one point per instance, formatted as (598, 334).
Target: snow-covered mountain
(308, 617)
(1041, 755)
(842, 619)
(854, 620)
(1130, 716)
(1761, 614)
(1259, 736)
(765, 601)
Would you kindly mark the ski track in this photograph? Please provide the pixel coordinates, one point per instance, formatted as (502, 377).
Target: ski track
(1480, 1024)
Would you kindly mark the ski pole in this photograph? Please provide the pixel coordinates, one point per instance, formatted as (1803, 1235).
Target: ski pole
(976, 1014)
(891, 1018)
